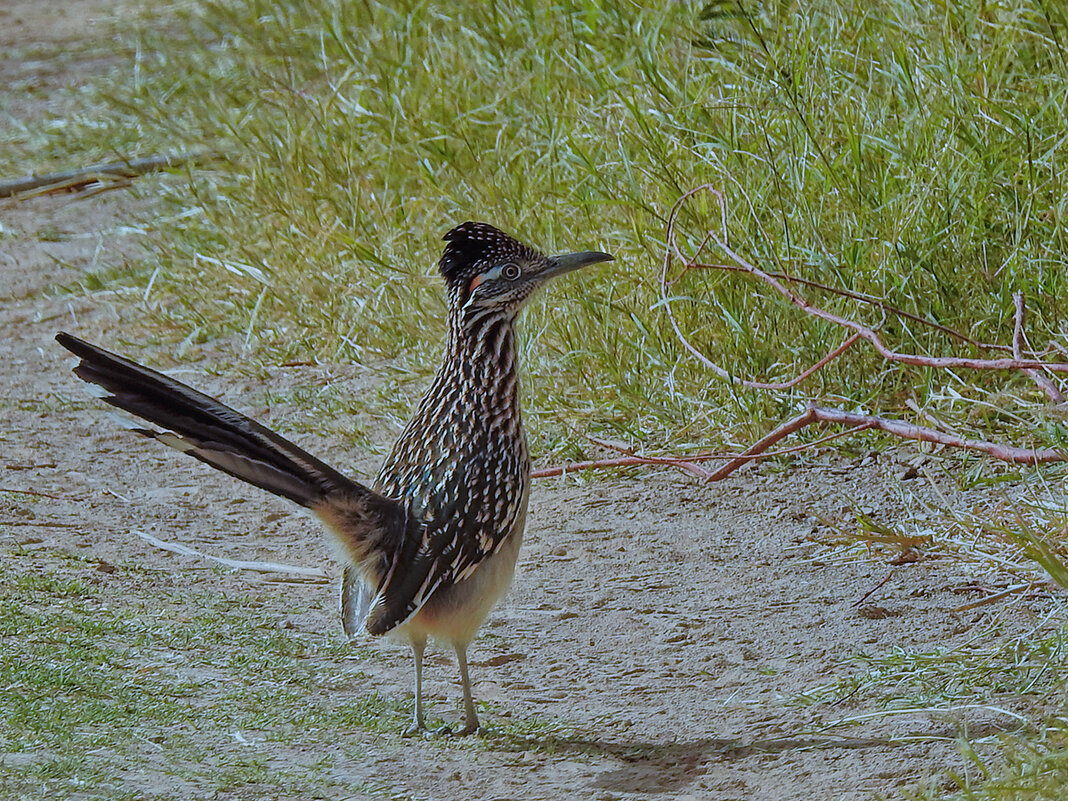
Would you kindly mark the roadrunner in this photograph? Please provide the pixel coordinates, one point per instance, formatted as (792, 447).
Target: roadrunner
(431, 546)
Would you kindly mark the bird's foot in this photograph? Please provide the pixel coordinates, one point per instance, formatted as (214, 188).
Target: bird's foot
(472, 727)
(417, 729)
(421, 730)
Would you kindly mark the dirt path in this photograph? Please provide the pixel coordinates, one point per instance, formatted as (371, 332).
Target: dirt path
(673, 627)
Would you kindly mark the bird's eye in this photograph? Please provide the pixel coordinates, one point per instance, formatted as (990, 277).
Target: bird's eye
(510, 271)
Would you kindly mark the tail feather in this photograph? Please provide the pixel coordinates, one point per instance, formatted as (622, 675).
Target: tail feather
(368, 525)
(205, 428)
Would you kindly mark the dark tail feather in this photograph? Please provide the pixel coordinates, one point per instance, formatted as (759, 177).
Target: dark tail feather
(206, 429)
(369, 526)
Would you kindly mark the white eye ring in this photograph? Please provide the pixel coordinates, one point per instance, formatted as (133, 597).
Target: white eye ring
(510, 271)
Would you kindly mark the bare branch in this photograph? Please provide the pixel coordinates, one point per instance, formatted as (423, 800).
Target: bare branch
(998, 596)
(834, 354)
(938, 362)
(899, 428)
(858, 296)
(624, 461)
(127, 168)
(687, 462)
(814, 414)
(870, 592)
(665, 283)
(787, 428)
(1018, 341)
(35, 492)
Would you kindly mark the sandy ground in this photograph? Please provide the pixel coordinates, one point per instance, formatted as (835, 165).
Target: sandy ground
(668, 622)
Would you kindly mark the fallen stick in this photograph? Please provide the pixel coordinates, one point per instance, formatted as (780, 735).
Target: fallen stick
(869, 593)
(683, 463)
(124, 169)
(814, 414)
(857, 296)
(898, 428)
(35, 492)
(239, 564)
(997, 596)
(817, 414)
(687, 463)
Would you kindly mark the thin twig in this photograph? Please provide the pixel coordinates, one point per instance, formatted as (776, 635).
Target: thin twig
(898, 428)
(996, 597)
(797, 379)
(1018, 340)
(858, 296)
(870, 592)
(787, 428)
(865, 332)
(814, 413)
(685, 462)
(940, 362)
(130, 168)
(240, 564)
(35, 492)
(623, 461)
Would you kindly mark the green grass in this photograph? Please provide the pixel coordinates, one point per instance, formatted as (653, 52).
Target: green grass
(49, 125)
(905, 150)
(109, 678)
(975, 673)
(92, 692)
(1009, 755)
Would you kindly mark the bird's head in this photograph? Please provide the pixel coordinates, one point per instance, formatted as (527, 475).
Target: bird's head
(487, 270)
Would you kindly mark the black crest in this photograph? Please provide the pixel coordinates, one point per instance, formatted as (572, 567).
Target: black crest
(474, 247)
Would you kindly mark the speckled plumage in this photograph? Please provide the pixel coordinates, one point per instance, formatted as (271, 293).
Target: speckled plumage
(461, 465)
(431, 547)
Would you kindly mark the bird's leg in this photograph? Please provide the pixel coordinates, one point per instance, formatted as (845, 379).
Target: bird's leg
(470, 715)
(419, 721)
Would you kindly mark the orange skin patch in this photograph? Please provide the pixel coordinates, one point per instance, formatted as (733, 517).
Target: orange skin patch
(474, 283)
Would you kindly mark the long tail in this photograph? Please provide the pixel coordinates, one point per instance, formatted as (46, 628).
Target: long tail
(369, 525)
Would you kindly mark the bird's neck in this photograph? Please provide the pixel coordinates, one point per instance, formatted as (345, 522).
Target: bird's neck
(480, 359)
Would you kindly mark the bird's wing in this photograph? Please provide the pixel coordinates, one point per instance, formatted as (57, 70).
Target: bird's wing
(462, 532)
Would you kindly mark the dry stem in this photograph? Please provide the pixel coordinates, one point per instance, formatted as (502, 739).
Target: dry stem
(819, 414)
(859, 329)
(1018, 341)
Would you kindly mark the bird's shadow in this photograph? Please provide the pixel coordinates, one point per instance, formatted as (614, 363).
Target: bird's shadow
(653, 768)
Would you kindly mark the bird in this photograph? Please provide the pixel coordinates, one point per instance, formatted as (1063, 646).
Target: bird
(431, 545)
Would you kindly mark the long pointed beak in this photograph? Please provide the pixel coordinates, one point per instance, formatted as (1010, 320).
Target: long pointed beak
(558, 265)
